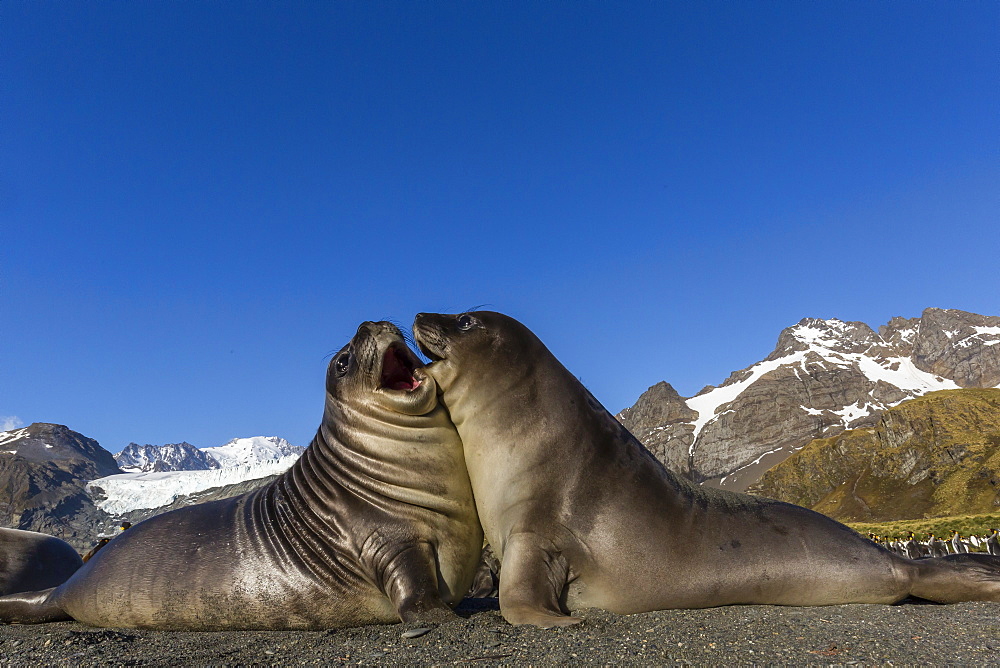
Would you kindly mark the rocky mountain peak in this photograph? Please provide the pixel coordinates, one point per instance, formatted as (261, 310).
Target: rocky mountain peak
(185, 457)
(833, 335)
(46, 442)
(170, 457)
(253, 450)
(44, 469)
(959, 345)
(900, 333)
(659, 405)
(823, 376)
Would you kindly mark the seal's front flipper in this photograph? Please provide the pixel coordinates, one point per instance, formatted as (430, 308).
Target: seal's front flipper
(31, 607)
(411, 582)
(532, 583)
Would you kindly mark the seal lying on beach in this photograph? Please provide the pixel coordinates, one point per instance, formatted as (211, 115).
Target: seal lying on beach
(581, 515)
(31, 560)
(374, 523)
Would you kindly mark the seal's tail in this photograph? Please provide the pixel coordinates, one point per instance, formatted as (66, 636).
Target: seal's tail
(31, 607)
(958, 577)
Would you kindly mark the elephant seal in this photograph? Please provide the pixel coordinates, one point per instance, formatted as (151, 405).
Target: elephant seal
(580, 514)
(31, 561)
(374, 523)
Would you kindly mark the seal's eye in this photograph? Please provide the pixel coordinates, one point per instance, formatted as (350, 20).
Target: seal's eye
(465, 322)
(342, 363)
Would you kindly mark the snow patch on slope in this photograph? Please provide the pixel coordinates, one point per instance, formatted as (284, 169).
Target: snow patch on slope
(981, 336)
(8, 436)
(901, 372)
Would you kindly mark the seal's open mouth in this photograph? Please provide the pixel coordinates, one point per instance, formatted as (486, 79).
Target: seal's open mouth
(398, 366)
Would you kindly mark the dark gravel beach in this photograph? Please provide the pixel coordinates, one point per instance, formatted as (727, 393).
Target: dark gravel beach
(966, 633)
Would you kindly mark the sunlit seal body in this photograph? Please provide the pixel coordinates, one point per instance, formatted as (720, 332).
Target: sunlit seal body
(373, 524)
(30, 561)
(581, 515)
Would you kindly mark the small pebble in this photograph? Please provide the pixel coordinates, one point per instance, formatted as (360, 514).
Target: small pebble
(415, 633)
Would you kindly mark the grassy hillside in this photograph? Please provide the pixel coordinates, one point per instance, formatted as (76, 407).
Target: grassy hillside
(937, 455)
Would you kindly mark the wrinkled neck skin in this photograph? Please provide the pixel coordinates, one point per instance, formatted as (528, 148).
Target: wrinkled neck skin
(367, 457)
(414, 459)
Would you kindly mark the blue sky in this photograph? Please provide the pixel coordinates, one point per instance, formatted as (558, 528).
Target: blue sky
(200, 201)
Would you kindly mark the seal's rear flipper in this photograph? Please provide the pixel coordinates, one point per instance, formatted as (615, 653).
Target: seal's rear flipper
(958, 577)
(31, 607)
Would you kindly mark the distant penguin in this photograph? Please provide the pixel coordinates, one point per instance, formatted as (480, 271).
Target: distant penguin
(897, 546)
(104, 541)
(993, 542)
(910, 548)
(936, 546)
(90, 555)
(958, 546)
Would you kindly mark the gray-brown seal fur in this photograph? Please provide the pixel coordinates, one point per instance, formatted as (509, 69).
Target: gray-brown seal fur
(31, 561)
(581, 515)
(374, 523)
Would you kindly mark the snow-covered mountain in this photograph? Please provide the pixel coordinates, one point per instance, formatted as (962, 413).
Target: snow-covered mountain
(137, 458)
(253, 450)
(823, 376)
(238, 460)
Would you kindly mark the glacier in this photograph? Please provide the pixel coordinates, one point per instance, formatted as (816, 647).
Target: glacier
(241, 459)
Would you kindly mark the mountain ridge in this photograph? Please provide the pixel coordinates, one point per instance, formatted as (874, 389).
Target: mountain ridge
(47, 473)
(930, 456)
(823, 376)
(183, 456)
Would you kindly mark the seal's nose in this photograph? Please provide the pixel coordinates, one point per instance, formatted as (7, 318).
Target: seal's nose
(376, 328)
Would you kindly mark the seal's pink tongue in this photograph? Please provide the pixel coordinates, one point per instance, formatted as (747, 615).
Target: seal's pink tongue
(396, 373)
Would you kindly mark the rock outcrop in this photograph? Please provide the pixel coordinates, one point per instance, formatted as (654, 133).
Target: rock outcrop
(664, 419)
(932, 456)
(44, 469)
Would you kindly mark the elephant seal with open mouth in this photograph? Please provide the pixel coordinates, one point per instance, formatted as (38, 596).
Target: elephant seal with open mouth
(581, 515)
(374, 523)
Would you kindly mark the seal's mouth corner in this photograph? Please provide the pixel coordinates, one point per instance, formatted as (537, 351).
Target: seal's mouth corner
(398, 370)
(432, 355)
